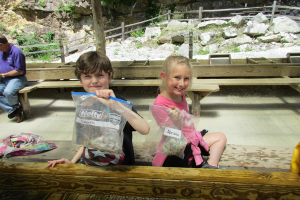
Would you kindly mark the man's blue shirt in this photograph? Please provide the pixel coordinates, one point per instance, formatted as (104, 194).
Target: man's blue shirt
(13, 60)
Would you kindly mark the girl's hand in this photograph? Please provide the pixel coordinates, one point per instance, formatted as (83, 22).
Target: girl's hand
(54, 162)
(174, 113)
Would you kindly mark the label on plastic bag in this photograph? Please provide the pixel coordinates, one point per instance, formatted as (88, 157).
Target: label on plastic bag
(171, 132)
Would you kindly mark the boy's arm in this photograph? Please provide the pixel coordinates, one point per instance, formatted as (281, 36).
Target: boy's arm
(77, 155)
(63, 160)
(137, 122)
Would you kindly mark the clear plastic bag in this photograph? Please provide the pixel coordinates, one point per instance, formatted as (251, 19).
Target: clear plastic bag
(98, 126)
(170, 130)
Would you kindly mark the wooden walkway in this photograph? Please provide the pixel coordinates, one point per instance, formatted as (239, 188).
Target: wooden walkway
(234, 156)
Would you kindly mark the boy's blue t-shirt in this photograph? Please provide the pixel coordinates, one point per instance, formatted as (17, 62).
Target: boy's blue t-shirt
(13, 60)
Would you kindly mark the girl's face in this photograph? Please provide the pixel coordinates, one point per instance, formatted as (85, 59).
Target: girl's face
(93, 82)
(178, 81)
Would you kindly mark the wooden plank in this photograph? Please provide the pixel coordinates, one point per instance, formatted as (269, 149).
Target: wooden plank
(249, 81)
(148, 181)
(247, 70)
(136, 82)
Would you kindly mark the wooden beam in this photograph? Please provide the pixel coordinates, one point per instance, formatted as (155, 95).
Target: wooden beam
(249, 81)
(145, 181)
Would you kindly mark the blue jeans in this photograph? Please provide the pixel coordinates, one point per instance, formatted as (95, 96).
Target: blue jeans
(9, 88)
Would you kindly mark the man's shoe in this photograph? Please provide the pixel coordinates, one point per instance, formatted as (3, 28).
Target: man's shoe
(13, 114)
(19, 114)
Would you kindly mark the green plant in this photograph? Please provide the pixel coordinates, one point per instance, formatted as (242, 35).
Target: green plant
(49, 37)
(3, 29)
(116, 52)
(42, 3)
(138, 45)
(138, 33)
(248, 49)
(203, 52)
(235, 49)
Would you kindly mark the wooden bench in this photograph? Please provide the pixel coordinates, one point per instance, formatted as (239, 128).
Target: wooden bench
(208, 75)
(77, 181)
(253, 179)
(138, 73)
(249, 71)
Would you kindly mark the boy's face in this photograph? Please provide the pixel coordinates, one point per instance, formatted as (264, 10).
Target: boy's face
(93, 82)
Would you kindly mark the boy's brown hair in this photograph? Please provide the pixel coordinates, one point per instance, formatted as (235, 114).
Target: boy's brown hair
(93, 62)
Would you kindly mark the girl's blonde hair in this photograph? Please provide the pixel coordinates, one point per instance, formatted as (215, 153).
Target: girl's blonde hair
(169, 65)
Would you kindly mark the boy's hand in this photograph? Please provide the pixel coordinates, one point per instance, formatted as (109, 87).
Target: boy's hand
(55, 162)
(103, 96)
(106, 93)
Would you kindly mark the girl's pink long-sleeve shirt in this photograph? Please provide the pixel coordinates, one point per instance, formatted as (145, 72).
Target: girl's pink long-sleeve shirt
(196, 139)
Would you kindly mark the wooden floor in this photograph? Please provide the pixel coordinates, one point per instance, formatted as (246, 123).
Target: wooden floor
(234, 157)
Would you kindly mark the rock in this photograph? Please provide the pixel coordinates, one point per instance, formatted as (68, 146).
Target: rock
(284, 24)
(286, 38)
(260, 18)
(205, 38)
(152, 32)
(211, 22)
(270, 38)
(255, 29)
(178, 37)
(176, 25)
(213, 48)
(184, 49)
(237, 20)
(165, 39)
(229, 32)
(244, 39)
(167, 47)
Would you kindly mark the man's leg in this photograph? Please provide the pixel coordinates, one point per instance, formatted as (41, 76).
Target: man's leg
(11, 94)
(4, 104)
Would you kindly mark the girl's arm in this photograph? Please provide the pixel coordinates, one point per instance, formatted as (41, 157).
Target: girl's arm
(136, 121)
(63, 160)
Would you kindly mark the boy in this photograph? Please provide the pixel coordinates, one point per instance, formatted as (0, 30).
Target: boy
(95, 72)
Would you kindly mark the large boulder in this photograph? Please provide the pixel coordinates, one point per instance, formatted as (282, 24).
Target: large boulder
(165, 39)
(152, 32)
(229, 32)
(269, 38)
(237, 21)
(178, 37)
(284, 24)
(256, 29)
(260, 18)
(176, 25)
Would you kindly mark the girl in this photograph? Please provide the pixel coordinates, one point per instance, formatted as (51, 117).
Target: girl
(176, 76)
(95, 72)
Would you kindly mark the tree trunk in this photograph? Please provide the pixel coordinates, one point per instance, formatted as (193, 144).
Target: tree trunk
(98, 26)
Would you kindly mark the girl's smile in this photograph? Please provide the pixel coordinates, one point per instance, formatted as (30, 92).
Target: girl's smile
(177, 82)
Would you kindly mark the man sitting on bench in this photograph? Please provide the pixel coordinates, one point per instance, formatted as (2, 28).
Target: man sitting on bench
(12, 74)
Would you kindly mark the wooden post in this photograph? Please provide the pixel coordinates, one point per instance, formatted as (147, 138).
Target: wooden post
(273, 11)
(98, 26)
(190, 45)
(200, 13)
(67, 49)
(123, 31)
(61, 46)
(169, 15)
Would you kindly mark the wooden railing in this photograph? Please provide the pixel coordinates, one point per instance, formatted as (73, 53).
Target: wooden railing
(65, 46)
